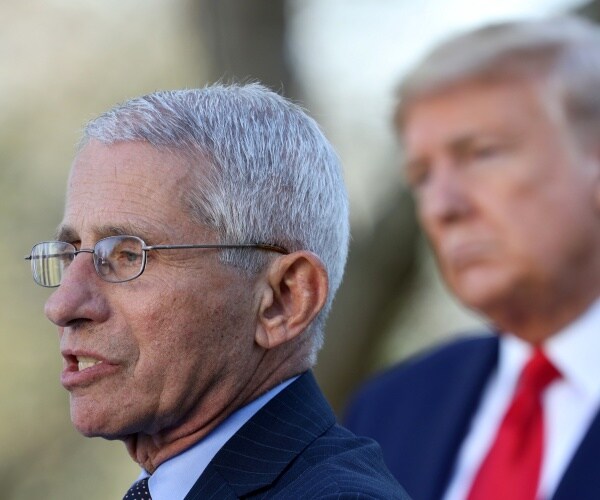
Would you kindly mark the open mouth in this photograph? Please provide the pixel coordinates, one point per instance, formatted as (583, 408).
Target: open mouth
(83, 370)
(85, 362)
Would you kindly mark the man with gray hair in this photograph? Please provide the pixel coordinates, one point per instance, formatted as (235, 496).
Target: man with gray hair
(501, 131)
(213, 230)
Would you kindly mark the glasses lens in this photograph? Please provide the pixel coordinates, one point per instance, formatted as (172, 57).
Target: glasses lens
(49, 261)
(119, 258)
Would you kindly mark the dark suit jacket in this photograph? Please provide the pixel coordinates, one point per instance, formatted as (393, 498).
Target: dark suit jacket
(420, 412)
(292, 448)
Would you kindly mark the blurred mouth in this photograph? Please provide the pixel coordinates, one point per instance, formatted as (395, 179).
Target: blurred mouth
(464, 255)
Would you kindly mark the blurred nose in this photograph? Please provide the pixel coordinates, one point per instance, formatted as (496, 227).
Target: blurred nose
(446, 198)
(79, 297)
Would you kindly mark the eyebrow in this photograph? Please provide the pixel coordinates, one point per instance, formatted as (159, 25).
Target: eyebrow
(67, 233)
(462, 141)
(458, 144)
(461, 145)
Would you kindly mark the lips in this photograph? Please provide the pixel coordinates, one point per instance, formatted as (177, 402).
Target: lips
(82, 370)
(460, 255)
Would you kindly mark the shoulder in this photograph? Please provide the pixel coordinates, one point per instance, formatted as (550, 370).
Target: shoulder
(426, 373)
(339, 464)
(293, 448)
(440, 360)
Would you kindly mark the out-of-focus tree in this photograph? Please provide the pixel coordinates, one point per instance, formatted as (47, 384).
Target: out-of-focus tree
(246, 41)
(590, 10)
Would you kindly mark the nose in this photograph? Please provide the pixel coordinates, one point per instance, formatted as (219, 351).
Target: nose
(446, 198)
(80, 296)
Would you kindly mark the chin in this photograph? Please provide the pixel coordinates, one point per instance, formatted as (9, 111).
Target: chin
(481, 290)
(93, 423)
(88, 428)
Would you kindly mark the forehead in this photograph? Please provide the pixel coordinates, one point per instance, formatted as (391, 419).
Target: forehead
(128, 184)
(472, 108)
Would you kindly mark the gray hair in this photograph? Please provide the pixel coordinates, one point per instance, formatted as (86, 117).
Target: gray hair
(564, 51)
(268, 173)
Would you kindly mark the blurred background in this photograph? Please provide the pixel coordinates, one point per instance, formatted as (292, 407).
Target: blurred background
(64, 61)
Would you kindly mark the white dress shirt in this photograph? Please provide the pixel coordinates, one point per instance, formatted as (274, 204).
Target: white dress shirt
(569, 403)
(173, 479)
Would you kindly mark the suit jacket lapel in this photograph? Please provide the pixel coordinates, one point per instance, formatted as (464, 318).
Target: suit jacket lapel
(581, 480)
(582, 477)
(262, 449)
(451, 416)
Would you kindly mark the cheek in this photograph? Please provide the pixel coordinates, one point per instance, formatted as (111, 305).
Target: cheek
(167, 326)
(542, 237)
(185, 319)
(191, 343)
(185, 330)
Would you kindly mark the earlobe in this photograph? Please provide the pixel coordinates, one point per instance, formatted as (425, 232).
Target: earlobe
(295, 292)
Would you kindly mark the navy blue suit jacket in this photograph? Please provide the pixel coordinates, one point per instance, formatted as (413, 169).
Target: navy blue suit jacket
(420, 412)
(292, 448)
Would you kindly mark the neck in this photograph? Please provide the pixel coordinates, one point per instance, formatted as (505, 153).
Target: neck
(151, 450)
(536, 323)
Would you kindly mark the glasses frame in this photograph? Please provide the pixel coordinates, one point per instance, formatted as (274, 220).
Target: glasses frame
(145, 249)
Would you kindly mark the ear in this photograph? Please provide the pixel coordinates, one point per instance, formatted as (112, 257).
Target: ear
(295, 292)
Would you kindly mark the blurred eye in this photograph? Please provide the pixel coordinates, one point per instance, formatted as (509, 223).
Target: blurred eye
(487, 151)
(417, 174)
(484, 152)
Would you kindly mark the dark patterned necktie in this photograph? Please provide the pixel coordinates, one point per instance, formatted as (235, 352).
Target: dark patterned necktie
(138, 491)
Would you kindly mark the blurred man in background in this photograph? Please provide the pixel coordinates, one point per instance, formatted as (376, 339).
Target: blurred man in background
(501, 130)
(204, 236)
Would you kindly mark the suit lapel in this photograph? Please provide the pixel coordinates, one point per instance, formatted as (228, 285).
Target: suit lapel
(582, 477)
(450, 417)
(263, 448)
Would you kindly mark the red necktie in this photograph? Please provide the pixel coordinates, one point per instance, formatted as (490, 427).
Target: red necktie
(512, 467)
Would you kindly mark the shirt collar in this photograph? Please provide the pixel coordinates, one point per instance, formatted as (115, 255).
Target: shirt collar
(573, 350)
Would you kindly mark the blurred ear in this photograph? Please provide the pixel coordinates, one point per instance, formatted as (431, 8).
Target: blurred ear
(296, 290)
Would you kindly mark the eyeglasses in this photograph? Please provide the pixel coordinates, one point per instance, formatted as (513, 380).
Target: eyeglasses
(116, 259)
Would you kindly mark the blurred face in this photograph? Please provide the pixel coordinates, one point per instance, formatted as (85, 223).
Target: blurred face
(505, 194)
(162, 351)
